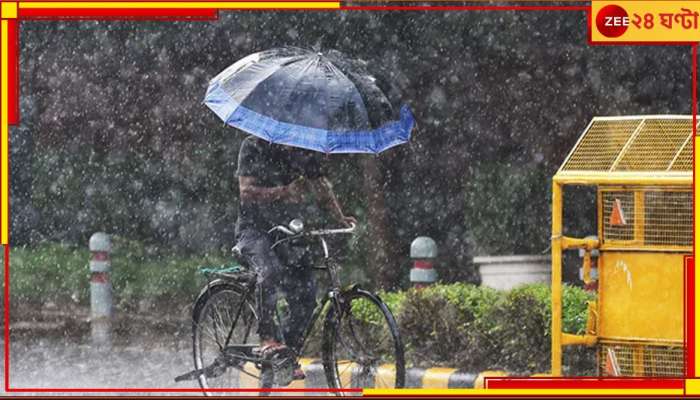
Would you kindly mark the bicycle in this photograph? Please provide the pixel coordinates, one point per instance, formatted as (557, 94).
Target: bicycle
(361, 345)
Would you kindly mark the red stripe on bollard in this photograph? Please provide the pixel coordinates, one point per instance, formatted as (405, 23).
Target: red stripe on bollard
(99, 277)
(423, 264)
(100, 256)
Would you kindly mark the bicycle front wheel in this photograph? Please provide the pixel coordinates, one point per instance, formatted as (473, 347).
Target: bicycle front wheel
(224, 322)
(362, 347)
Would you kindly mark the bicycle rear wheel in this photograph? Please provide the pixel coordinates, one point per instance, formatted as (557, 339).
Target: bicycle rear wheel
(362, 347)
(224, 318)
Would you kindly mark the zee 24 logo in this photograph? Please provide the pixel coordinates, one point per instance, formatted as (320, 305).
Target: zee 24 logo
(612, 20)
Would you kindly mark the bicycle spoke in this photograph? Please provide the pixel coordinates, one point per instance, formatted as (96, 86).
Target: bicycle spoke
(365, 337)
(358, 351)
(218, 319)
(354, 336)
(224, 319)
(212, 335)
(385, 336)
(341, 341)
(214, 326)
(235, 321)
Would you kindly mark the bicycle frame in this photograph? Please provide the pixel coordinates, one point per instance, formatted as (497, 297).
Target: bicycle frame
(332, 296)
(332, 307)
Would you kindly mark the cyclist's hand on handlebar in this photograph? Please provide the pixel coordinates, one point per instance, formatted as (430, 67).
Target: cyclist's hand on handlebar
(349, 221)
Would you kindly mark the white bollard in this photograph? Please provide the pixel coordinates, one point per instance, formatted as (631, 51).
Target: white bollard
(423, 252)
(100, 289)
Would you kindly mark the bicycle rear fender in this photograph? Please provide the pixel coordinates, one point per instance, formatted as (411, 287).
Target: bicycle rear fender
(213, 284)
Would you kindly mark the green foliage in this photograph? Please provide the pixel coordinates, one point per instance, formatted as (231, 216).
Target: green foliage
(518, 326)
(366, 311)
(393, 300)
(140, 277)
(53, 272)
(477, 328)
(438, 320)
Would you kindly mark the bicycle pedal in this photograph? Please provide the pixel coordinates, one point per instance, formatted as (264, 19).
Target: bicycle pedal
(212, 371)
(190, 376)
(278, 365)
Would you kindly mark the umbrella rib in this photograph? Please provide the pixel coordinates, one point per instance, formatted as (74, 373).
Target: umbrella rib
(354, 86)
(271, 139)
(310, 61)
(239, 104)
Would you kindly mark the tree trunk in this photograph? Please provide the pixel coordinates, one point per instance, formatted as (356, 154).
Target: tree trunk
(381, 252)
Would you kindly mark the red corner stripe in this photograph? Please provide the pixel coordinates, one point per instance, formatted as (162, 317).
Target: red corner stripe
(12, 72)
(582, 383)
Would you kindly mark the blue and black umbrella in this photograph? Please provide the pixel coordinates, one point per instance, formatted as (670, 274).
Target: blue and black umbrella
(318, 101)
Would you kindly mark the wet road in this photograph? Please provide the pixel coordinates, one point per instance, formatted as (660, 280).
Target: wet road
(56, 362)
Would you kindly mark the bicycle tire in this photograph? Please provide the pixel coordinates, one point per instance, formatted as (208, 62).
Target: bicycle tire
(362, 314)
(220, 302)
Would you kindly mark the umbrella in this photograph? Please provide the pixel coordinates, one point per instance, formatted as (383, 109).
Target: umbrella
(319, 101)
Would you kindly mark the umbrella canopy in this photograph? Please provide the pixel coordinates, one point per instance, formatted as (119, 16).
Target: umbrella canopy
(318, 101)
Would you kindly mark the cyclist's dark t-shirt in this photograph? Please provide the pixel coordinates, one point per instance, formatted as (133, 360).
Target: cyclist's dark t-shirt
(273, 165)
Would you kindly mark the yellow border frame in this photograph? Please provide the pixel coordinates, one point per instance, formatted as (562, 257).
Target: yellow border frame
(4, 132)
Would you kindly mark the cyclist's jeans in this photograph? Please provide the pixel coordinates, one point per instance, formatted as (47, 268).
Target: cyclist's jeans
(295, 281)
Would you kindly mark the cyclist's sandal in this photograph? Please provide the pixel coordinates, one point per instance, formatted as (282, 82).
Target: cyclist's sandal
(270, 350)
(298, 373)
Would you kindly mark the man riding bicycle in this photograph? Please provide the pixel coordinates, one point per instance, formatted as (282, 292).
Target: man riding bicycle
(274, 184)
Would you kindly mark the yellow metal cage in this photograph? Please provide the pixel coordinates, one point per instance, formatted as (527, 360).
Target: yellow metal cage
(641, 167)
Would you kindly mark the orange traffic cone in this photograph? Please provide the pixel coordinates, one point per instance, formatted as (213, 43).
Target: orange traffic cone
(612, 368)
(617, 217)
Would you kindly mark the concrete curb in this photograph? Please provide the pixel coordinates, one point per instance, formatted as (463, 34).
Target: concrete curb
(445, 378)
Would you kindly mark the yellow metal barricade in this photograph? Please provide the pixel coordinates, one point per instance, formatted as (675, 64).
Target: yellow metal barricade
(641, 168)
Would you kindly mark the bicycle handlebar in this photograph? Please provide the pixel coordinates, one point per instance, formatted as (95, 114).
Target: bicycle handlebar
(319, 232)
(316, 232)
(283, 229)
